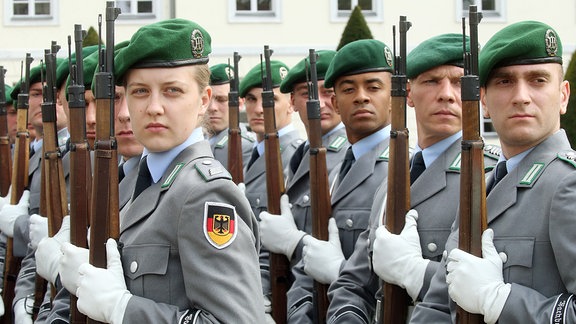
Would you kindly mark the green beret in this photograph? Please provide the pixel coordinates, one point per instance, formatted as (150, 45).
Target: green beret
(297, 74)
(35, 76)
(117, 48)
(220, 74)
(526, 42)
(444, 49)
(253, 79)
(7, 92)
(168, 43)
(89, 67)
(361, 56)
(63, 68)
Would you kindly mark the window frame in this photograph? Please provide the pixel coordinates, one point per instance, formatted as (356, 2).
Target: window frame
(498, 15)
(374, 15)
(10, 19)
(144, 17)
(254, 16)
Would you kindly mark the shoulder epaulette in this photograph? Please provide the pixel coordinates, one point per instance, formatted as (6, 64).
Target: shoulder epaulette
(492, 151)
(337, 144)
(211, 169)
(385, 156)
(294, 143)
(568, 156)
(222, 142)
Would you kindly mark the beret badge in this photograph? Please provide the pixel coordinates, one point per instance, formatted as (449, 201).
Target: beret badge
(551, 43)
(197, 43)
(389, 56)
(283, 72)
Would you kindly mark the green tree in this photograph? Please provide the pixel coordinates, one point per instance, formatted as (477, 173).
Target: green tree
(356, 28)
(568, 120)
(91, 38)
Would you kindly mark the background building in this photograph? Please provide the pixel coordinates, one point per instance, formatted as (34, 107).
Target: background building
(289, 27)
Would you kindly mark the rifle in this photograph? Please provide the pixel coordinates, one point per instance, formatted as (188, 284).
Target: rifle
(5, 154)
(104, 222)
(80, 166)
(320, 204)
(472, 186)
(279, 264)
(395, 299)
(55, 202)
(19, 182)
(235, 165)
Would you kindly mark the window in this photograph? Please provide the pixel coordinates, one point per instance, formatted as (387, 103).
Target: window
(371, 9)
(132, 9)
(254, 10)
(492, 10)
(24, 12)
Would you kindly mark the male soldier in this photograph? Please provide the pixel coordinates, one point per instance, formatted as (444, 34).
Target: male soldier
(434, 69)
(526, 272)
(283, 234)
(217, 118)
(361, 76)
(15, 219)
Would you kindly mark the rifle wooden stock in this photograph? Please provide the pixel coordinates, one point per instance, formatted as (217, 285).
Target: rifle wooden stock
(80, 166)
(395, 299)
(472, 218)
(235, 163)
(54, 202)
(320, 204)
(19, 182)
(104, 222)
(5, 154)
(279, 264)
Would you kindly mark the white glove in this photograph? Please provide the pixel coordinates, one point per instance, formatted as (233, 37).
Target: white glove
(268, 311)
(476, 284)
(6, 200)
(242, 187)
(38, 229)
(102, 293)
(10, 213)
(278, 233)
(71, 259)
(396, 256)
(48, 253)
(22, 312)
(1, 305)
(322, 259)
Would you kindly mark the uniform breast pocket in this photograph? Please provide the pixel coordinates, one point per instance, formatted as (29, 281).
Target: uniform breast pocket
(517, 254)
(301, 213)
(351, 223)
(433, 242)
(145, 267)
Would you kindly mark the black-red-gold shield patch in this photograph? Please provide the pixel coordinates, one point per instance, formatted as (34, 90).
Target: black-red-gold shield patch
(219, 224)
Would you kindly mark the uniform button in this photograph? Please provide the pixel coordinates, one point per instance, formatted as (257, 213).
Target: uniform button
(206, 162)
(306, 198)
(257, 201)
(503, 257)
(133, 266)
(349, 222)
(432, 247)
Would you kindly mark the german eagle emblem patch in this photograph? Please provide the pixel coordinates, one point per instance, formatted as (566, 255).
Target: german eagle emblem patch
(219, 224)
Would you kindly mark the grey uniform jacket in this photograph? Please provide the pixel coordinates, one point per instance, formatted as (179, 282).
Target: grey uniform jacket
(220, 147)
(353, 295)
(531, 211)
(255, 181)
(255, 177)
(351, 203)
(177, 267)
(298, 183)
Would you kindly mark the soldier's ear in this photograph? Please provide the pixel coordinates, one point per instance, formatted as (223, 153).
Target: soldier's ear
(335, 104)
(485, 111)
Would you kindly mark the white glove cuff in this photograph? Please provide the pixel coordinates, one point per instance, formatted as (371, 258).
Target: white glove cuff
(493, 309)
(117, 315)
(414, 278)
(291, 246)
